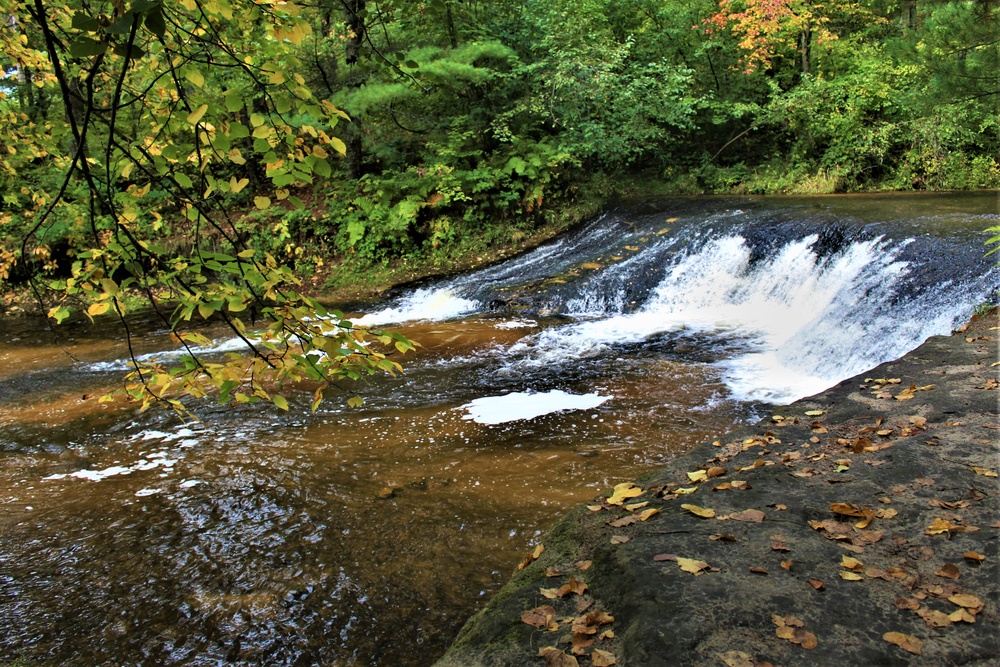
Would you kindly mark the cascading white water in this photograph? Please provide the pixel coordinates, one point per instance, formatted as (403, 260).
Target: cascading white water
(422, 304)
(794, 303)
(808, 321)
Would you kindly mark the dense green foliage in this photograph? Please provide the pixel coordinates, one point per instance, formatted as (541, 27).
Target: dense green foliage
(189, 148)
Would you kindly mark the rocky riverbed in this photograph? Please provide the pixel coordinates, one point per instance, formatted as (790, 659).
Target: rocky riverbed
(858, 526)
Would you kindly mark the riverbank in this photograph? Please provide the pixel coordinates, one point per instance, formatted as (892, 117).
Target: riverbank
(857, 526)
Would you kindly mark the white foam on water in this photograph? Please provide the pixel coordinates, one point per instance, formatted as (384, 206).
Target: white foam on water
(518, 406)
(423, 304)
(516, 324)
(155, 461)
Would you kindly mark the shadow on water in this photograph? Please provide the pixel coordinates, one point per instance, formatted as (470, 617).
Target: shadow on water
(367, 536)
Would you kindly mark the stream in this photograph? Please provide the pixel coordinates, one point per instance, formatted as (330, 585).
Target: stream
(367, 536)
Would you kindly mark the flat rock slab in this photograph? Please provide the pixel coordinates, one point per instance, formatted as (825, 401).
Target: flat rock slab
(856, 527)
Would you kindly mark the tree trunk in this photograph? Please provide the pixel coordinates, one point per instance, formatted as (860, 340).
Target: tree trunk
(805, 47)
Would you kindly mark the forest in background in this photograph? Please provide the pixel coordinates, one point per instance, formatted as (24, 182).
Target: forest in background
(214, 153)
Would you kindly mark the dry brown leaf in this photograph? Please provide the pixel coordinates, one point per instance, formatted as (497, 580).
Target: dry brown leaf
(598, 618)
(805, 639)
(786, 564)
(532, 557)
(584, 565)
(750, 516)
(550, 593)
(886, 513)
(622, 522)
(620, 539)
(815, 413)
(553, 572)
(817, 584)
(725, 486)
(691, 565)
(852, 564)
(572, 587)
(941, 526)
(703, 512)
(949, 571)
(556, 658)
(722, 537)
(581, 643)
(943, 504)
(905, 642)
(785, 632)
(758, 570)
(635, 506)
(659, 558)
(961, 616)
(606, 635)
(986, 472)
(623, 492)
(906, 603)
(756, 464)
(850, 576)
(603, 658)
(934, 618)
(966, 600)
(683, 491)
(778, 546)
(541, 617)
(973, 556)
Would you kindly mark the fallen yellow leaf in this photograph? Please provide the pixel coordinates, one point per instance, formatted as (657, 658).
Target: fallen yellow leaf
(692, 565)
(645, 515)
(703, 512)
(905, 642)
(623, 492)
(966, 600)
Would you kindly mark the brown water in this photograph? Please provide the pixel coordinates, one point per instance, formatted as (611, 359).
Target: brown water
(262, 538)
(266, 541)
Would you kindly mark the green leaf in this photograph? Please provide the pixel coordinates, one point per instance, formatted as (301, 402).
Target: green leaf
(155, 22)
(355, 401)
(234, 101)
(183, 180)
(85, 47)
(280, 401)
(59, 313)
(122, 26)
(85, 22)
(261, 202)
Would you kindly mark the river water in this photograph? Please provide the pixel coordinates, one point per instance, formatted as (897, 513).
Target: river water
(366, 536)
